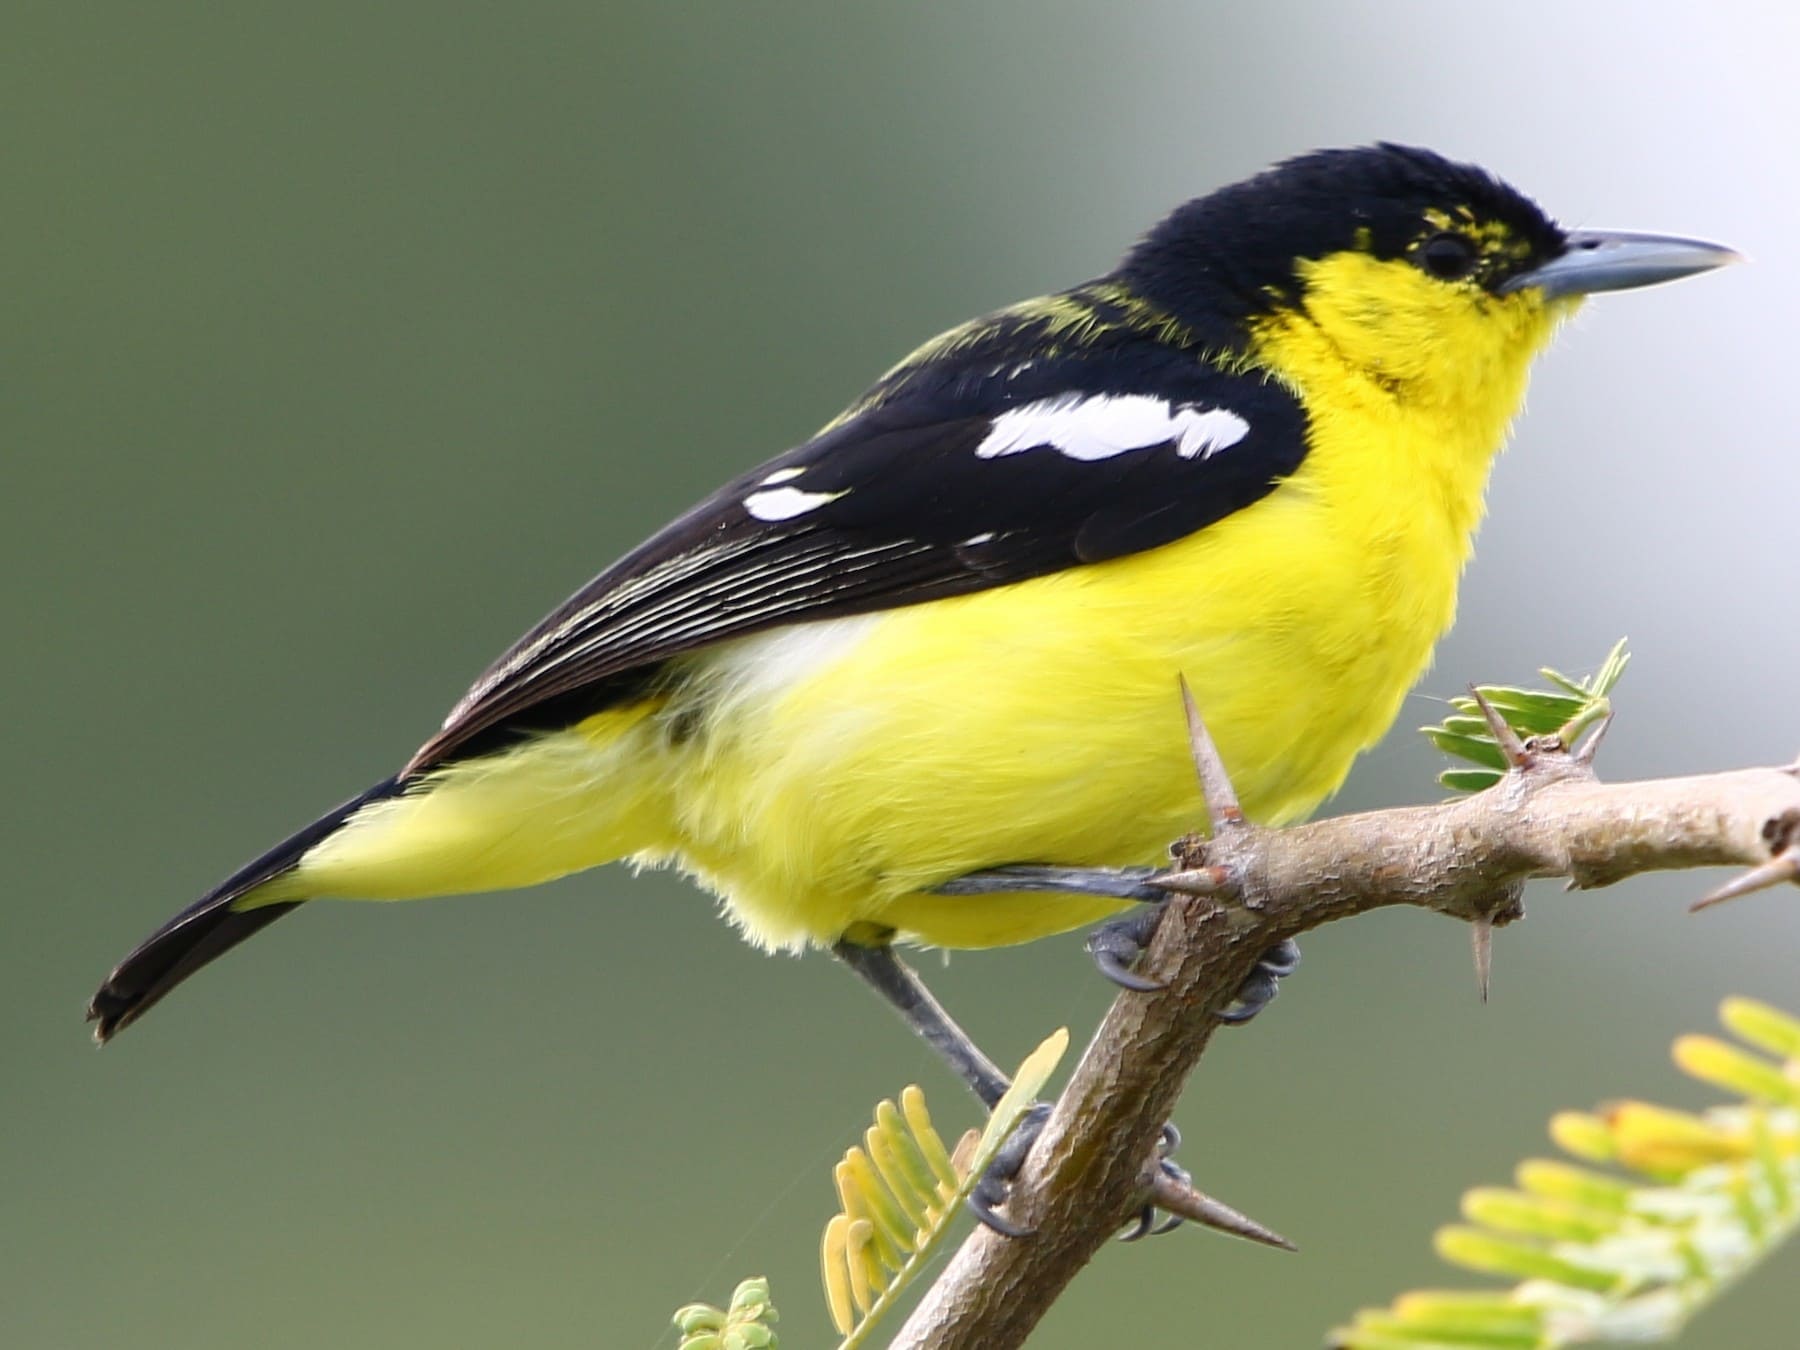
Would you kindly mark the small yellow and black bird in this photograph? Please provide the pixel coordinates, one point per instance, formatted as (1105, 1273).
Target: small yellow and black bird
(942, 637)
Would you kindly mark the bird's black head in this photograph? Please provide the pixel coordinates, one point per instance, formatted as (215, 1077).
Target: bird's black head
(1218, 261)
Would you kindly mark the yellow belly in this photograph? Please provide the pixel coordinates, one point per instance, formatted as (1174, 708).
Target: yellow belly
(1042, 723)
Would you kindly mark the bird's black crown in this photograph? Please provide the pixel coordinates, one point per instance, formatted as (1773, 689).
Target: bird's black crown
(1224, 257)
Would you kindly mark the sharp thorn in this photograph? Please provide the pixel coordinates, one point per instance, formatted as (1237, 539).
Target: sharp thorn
(1508, 740)
(1215, 783)
(1179, 1198)
(1784, 866)
(1481, 941)
(1591, 746)
(1192, 881)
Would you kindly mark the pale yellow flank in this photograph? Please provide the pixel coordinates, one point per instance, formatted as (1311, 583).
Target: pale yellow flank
(824, 775)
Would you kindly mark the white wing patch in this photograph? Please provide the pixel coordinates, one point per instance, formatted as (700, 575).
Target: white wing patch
(784, 503)
(1104, 425)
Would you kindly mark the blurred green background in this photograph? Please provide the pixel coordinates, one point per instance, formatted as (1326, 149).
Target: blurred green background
(342, 340)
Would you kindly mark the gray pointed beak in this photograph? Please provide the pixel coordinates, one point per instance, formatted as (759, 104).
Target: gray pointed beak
(1616, 261)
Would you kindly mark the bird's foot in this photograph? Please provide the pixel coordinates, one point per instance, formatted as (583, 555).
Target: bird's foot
(1263, 983)
(991, 1191)
(1118, 945)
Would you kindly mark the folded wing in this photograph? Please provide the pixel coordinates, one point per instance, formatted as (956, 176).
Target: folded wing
(976, 479)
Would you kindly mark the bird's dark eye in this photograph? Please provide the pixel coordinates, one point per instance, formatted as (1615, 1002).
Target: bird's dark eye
(1449, 256)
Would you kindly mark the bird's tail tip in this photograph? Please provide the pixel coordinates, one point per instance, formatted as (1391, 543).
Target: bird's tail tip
(168, 956)
(213, 925)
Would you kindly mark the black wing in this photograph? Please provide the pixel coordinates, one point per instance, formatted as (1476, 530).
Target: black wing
(978, 474)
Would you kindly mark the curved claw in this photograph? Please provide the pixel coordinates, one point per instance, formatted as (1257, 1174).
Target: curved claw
(1116, 947)
(1282, 959)
(990, 1191)
(982, 1207)
(1259, 990)
(1255, 994)
(1121, 973)
(1141, 1228)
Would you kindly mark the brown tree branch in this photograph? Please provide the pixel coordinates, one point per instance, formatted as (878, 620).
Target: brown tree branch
(1470, 858)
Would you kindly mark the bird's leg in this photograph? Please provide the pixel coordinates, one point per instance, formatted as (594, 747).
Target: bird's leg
(896, 982)
(1117, 945)
(1118, 883)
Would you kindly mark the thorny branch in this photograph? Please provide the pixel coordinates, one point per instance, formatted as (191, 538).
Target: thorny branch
(1247, 889)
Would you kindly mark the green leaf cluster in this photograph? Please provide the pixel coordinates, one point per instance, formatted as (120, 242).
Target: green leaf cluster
(1691, 1203)
(748, 1324)
(1564, 712)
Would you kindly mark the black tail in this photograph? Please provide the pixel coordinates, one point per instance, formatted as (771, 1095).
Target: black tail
(210, 927)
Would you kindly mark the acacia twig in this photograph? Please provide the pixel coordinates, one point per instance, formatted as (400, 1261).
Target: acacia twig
(1240, 894)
